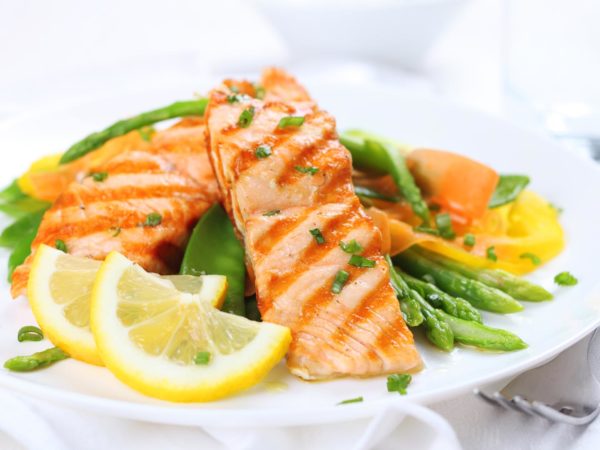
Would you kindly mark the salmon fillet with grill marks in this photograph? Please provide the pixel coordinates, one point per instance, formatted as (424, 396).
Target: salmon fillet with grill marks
(171, 177)
(275, 202)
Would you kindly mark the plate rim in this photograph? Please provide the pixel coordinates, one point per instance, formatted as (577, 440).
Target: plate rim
(173, 413)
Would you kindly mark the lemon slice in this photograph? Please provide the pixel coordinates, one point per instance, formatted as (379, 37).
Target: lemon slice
(176, 346)
(59, 292)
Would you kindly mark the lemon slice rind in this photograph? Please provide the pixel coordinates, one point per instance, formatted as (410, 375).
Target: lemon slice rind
(161, 377)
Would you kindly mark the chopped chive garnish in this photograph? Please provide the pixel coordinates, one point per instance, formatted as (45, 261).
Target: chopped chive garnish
(317, 235)
(290, 121)
(398, 382)
(351, 400)
(60, 245)
(491, 253)
(146, 133)
(565, 279)
(259, 91)
(202, 358)
(341, 277)
(246, 117)
(444, 226)
(30, 333)
(115, 230)
(535, 259)
(99, 176)
(234, 98)
(469, 240)
(152, 220)
(428, 230)
(351, 247)
(263, 151)
(273, 212)
(310, 170)
(361, 261)
(27, 363)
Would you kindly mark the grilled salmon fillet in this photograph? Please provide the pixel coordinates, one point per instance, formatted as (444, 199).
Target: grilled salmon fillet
(277, 202)
(169, 181)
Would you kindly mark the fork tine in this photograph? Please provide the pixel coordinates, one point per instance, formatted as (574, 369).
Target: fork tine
(485, 397)
(503, 401)
(523, 405)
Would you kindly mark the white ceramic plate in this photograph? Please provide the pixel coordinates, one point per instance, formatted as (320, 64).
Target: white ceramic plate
(548, 327)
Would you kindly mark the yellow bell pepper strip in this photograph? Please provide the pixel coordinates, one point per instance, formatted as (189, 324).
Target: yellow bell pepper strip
(524, 234)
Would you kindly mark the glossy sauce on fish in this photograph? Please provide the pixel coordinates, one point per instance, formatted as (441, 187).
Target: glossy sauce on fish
(275, 201)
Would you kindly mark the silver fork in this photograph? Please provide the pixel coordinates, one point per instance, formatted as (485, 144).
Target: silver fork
(573, 414)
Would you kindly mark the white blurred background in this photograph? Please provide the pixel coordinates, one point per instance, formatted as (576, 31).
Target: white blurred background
(532, 61)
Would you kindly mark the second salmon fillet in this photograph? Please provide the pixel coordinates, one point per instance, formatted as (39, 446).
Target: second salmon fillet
(316, 256)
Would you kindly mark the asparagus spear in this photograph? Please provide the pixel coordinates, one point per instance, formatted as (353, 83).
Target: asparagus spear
(410, 308)
(478, 335)
(454, 306)
(514, 286)
(437, 329)
(478, 294)
(95, 140)
(36, 360)
(381, 156)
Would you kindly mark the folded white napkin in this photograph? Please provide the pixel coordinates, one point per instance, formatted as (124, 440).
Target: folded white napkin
(30, 424)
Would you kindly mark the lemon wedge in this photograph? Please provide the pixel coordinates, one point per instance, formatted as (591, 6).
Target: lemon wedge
(176, 346)
(59, 292)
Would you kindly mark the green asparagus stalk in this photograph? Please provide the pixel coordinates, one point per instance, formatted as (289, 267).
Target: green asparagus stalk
(512, 285)
(95, 140)
(36, 360)
(478, 294)
(437, 329)
(380, 156)
(454, 306)
(409, 306)
(478, 335)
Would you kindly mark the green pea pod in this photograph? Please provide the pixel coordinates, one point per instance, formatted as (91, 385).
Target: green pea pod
(508, 189)
(214, 249)
(24, 227)
(22, 206)
(252, 311)
(11, 192)
(379, 155)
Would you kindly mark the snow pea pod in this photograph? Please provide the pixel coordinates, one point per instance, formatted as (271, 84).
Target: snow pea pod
(214, 249)
(22, 228)
(380, 155)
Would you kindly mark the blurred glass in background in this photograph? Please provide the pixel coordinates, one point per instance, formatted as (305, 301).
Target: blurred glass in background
(552, 67)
